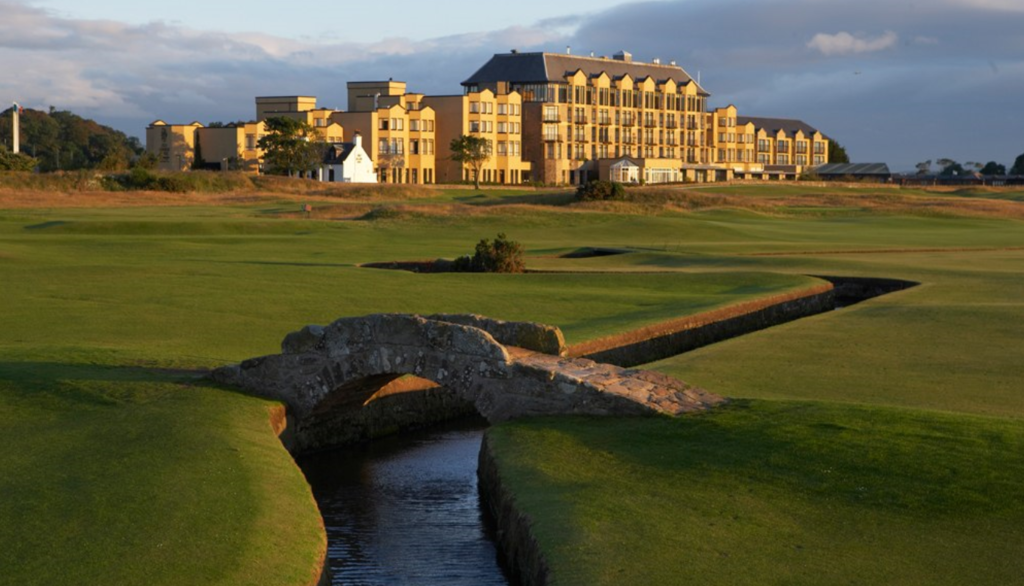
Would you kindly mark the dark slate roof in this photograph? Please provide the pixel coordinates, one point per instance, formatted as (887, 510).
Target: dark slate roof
(776, 124)
(853, 169)
(338, 152)
(554, 67)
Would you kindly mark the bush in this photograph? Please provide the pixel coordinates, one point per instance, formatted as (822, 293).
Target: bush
(600, 190)
(500, 256)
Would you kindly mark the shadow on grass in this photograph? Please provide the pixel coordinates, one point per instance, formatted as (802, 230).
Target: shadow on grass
(543, 199)
(916, 463)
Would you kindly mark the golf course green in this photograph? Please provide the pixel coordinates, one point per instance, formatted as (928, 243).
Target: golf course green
(880, 443)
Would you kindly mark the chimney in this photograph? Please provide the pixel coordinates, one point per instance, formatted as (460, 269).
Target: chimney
(623, 56)
(568, 50)
(656, 61)
(357, 139)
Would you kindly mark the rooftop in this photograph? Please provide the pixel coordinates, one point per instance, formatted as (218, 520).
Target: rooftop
(554, 67)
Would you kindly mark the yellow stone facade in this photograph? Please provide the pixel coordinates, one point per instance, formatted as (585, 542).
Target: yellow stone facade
(173, 145)
(398, 129)
(498, 118)
(549, 117)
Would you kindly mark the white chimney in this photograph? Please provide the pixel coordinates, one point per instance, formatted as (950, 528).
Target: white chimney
(657, 61)
(568, 50)
(357, 140)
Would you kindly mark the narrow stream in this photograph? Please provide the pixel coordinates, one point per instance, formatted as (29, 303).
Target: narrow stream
(406, 510)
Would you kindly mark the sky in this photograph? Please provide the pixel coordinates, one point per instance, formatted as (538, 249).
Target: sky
(895, 81)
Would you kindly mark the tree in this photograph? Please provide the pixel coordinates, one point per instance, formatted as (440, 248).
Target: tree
(924, 167)
(473, 151)
(993, 168)
(61, 140)
(837, 153)
(10, 161)
(950, 168)
(1018, 166)
(291, 146)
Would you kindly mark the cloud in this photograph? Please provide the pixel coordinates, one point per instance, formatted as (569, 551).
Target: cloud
(843, 43)
(939, 73)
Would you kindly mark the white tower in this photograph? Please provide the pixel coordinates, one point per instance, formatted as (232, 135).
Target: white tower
(16, 114)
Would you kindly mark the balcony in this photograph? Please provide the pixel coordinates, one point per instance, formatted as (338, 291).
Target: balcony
(555, 118)
(629, 122)
(552, 138)
(650, 123)
(580, 120)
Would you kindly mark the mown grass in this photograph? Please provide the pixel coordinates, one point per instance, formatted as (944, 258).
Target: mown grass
(117, 470)
(106, 451)
(883, 445)
(772, 493)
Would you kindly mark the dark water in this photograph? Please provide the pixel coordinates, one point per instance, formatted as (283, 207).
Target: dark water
(405, 510)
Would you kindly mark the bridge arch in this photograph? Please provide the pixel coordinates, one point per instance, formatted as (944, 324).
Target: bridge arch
(505, 369)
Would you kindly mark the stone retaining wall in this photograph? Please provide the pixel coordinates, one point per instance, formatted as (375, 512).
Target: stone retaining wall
(666, 340)
(517, 547)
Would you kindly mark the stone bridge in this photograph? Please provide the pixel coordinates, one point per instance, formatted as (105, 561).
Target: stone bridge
(505, 369)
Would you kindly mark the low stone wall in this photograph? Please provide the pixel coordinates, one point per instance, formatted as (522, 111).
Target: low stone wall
(669, 339)
(532, 336)
(517, 547)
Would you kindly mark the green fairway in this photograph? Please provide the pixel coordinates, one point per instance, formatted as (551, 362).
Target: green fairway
(118, 467)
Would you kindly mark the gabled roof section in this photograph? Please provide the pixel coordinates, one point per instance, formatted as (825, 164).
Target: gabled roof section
(773, 125)
(555, 67)
(339, 151)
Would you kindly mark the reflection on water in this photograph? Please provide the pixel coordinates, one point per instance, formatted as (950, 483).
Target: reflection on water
(405, 510)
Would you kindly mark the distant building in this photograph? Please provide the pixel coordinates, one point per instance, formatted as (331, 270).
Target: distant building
(347, 162)
(396, 126)
(547, 117)
(860, 171)
(581, 109)
(496, 117)
(173, 145)
(785, 148)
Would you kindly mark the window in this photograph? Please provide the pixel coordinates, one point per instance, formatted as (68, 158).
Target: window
(414, 147)
(414, 125)
(502, 109)
(550, 114)
(384, 123)
(503, 128)
(474, 126)
(763, 145)
(783, 147)
(488, 107)
(474, 107)
(783, 159)
(502, 148)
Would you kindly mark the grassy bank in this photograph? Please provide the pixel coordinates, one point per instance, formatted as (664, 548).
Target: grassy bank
(772, 492)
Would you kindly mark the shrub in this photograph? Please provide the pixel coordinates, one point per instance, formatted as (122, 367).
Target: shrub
(500, 256)
(597, 190)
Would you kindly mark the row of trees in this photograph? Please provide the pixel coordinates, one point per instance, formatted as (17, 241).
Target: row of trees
(951, 168)
(60, 140)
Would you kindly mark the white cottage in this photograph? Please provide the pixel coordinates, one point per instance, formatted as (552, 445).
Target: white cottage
(347, 162)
